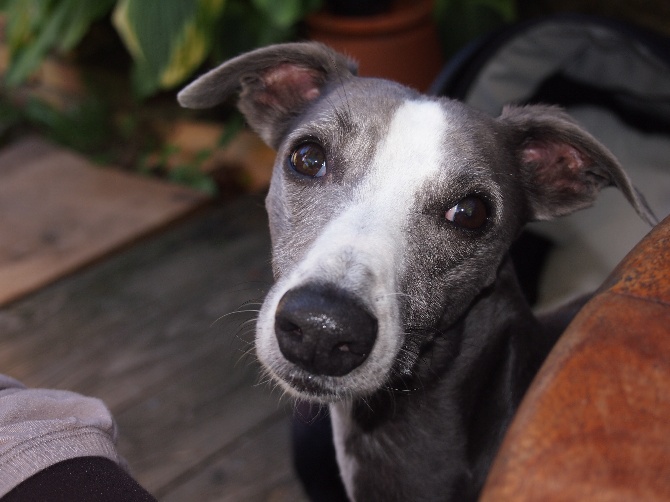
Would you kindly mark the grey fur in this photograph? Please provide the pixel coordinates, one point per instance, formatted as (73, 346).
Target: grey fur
(422, 416)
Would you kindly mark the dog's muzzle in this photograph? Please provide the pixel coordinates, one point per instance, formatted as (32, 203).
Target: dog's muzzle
(324, 330)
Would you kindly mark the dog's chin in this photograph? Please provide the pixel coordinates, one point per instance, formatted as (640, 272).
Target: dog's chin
(311, 388)
(322, 389)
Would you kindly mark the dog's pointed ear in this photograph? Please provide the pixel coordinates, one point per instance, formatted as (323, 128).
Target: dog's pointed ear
(563, 167)
(275, 84)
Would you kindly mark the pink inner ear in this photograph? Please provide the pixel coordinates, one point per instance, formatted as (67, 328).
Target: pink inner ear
(289, 85)
(548, 154)
(557, 166)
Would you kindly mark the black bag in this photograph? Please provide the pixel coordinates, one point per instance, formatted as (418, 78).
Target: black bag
(615, 79)
(568, 60)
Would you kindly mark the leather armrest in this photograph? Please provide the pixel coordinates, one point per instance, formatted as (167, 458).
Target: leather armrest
(595, 424)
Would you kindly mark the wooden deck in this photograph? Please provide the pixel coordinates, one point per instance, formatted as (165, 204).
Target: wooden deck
(162, 333)
(58, 212)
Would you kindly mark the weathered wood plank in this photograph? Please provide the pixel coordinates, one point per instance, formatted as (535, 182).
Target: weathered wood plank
(120, 355)
(140, 331)
(254, 469)
(182, 427)
(144, 314)
(58, 212)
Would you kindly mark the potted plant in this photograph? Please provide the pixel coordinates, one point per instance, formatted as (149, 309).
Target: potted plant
(394, 39)
(56, 63)
(357, 7)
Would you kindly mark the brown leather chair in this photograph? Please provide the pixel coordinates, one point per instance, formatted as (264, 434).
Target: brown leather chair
(595, 424)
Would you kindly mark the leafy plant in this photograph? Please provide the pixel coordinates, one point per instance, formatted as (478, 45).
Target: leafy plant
(36, 27)
(168, 39)
(190, 174)
(83, 127)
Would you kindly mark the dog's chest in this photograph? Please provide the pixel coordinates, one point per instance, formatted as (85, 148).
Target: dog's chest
(404, 459)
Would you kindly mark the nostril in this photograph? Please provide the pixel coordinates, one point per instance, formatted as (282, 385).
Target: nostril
(286, 326)
(324, 330)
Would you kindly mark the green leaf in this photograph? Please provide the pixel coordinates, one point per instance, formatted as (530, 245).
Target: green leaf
(282, 13)
(84, 128)
(167, 38)
(36, 27)
(245, 26)
(286, 13)
(30, 52)
(23, 21)
(82, 14)
(233, 127)
(191, 176)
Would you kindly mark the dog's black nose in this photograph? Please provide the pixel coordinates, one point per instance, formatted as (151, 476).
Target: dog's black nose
(324, 330)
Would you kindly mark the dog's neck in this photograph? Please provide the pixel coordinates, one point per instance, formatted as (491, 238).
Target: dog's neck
(429, 433)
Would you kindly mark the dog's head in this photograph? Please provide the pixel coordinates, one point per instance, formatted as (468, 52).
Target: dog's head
(389, 211)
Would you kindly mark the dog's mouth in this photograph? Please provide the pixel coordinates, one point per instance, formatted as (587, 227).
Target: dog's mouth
(313, 387)
(327, 389)
(400, 377)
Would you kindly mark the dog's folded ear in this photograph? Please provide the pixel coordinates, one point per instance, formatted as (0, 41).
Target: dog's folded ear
(563, 167)
(276, 84)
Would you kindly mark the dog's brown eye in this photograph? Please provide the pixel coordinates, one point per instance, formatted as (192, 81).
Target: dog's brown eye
(470, 213)
(309, 159)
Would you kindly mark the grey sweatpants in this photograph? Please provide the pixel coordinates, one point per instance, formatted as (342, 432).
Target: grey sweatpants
(41, 427)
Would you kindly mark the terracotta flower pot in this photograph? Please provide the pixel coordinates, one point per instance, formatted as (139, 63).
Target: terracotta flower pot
(400, 45)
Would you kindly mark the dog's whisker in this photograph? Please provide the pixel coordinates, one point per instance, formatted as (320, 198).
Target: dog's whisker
(220, 318)
(245, 332)
(248, 354)
(310, 418)
(245, 337)
(267, 380)
(244, 324)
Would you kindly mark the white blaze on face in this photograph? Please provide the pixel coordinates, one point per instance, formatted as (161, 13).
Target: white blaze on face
(371, 230)
(411, 153)
(362, 248)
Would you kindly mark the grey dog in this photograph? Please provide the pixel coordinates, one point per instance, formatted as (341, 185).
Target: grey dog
(395, 302)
